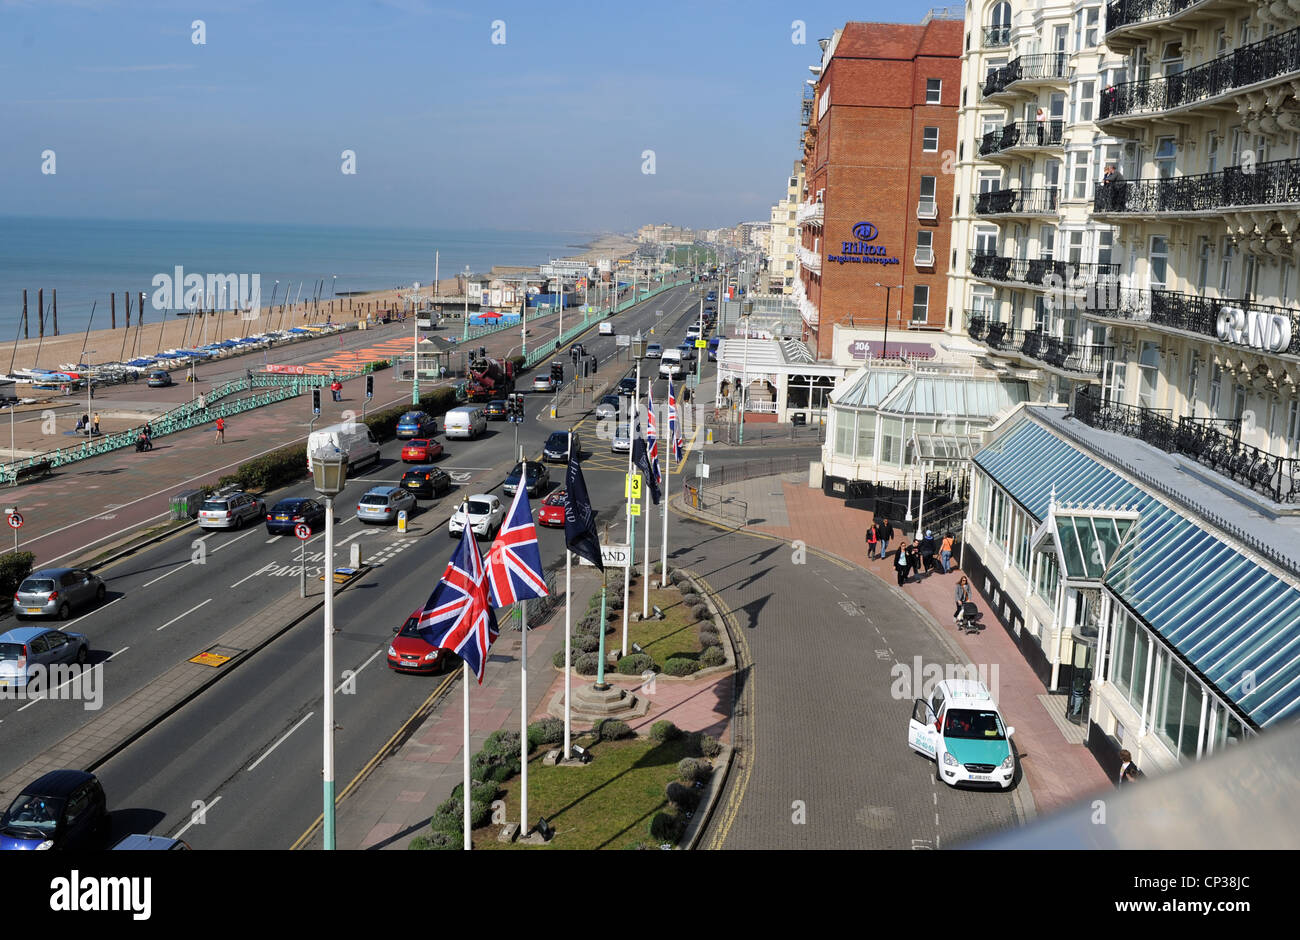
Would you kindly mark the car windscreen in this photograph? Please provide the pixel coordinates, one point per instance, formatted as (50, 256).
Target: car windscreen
(31, 811)
(478, 507)
(36, 586)
(974, 725)
(558, 440)
(289, 505)
(374, 499)
(411, 627)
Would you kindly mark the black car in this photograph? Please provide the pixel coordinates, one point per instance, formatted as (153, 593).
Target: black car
(287, 513)
(537, 482)
(426, 482)
(627, 385)
(557, 446)
(496, 410)
(608, 406)
(64, 809)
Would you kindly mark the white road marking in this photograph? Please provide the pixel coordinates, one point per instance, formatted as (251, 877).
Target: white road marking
(122, 650)
(167, 575)
(95, 611)
(265, 567)
(283, 738)
(192, 821)
(357, 671)
(186, 614)
(274, 538)
(233, 541)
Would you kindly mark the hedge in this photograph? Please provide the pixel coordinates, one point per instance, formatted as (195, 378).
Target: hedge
(14, 566)
(684, 797)
(437, 840)
(710, 746)
(611, 729)
(667, 827)
(546, 731)
(635, 664)
(588, 643)
(713, 656)
(586, 663)
(681, 667)
(664, 730)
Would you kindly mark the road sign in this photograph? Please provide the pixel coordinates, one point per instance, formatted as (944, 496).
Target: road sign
(15, 520)
(302, 530)
(612, 556)
(636, 509)
(700, 343)
(632, 486)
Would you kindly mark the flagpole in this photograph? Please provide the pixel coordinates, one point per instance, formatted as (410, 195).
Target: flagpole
(523, 719)
(667, 495)
(631, 521)
(645, 588)
(568, 628)
(465, 747)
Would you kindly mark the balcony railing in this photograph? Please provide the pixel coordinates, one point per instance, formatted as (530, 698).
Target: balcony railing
(1046, 66)
(1270, 58)
(1267, 184)
(809, 259)
(1040, 272)
(1016, 202)
(995, 37)
(1196, 314)
(810, 212)
(1213, 442)
(1023, 134)
(924, 257)
(992, 333)
(1064, 354)
(927, 209)
(1120, 13)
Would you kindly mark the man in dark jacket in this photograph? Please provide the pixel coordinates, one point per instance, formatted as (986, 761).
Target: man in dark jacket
(884, 532)
(927, 551)
(901, 566)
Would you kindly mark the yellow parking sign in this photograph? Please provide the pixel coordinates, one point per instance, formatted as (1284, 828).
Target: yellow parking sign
(636, 509)
(632, 486)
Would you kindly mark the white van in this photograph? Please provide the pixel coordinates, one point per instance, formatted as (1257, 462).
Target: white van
(670, 364)
(606, 328)
(353, 438)
(466, 421)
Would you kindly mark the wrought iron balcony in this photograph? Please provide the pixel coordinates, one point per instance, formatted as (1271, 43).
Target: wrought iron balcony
(1213, 442)
(1268, 184)
(1270, 58)
(992, 333)
(1046, 273)
(995, 37)
(1064, 354)
(1196, 314)
(1016, 202)
(1023, 135)
(1121, 13)
(1043, 67)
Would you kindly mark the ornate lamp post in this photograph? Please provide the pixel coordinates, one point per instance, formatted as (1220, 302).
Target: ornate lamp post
(329, 469)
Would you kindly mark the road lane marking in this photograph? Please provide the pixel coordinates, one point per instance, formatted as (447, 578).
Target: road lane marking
(357, 671)
(167, 575)
(122, 650)
(193, 819)
(266, 567)
(186, 614)
(95, 611)
(283, 738)
(233, 541)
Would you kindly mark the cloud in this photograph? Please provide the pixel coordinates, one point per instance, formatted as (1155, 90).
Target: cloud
(85, 100)
(168, 67)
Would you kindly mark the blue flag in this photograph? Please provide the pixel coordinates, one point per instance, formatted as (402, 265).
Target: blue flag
(579, 518)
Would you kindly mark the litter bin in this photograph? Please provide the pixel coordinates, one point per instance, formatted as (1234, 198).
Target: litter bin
(185, 504)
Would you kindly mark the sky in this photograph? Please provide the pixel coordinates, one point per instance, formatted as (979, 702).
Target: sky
(544, 131)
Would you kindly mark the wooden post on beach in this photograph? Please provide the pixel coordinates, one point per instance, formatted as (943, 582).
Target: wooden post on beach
(56, 311)
(139, 308)
(24, 313)
(127, 296)
(112, 309)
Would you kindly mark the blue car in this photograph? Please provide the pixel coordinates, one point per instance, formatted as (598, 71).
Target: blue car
(287, 514)
(25, 651)
(416, 424)
(65, 809)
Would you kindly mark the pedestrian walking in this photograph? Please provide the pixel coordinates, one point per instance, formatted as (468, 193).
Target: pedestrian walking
(1128, 771)
(914, 558)
(928, 551)
(221, 430)
(94, 425)
(885, 534)
(945, 552)
(962, 595)
(901, 564)
(873, 542)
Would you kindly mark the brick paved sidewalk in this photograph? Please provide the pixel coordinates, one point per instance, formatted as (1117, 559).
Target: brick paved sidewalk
(1059, 772)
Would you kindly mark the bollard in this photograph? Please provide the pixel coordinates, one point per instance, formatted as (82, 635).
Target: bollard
(354, 556)
(401, 521)
(709, 436)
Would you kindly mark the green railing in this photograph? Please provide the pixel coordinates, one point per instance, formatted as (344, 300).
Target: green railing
(537, 355)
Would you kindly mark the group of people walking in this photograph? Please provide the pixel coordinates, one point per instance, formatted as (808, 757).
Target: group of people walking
(911, 559)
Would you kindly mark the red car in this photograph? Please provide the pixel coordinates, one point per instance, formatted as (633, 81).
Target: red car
(552, 511)
(410, 652)
(421, 450)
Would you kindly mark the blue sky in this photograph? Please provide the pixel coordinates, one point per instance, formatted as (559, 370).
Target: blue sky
(543, 132)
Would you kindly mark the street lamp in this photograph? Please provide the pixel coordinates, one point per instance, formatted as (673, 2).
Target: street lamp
(464, 335)
(415, 346)
(329, 468)
(744, 372)
(89, 389)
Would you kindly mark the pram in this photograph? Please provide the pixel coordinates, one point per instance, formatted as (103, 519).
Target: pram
(968, 619)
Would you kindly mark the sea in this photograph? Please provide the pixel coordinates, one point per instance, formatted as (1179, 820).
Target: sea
(86, 260)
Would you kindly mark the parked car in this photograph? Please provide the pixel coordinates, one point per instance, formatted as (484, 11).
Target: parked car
(230, 510)
(159, 379)
(622, 441)
(56, 592)
(552, 511)
(24, 647)
(654, 351)
(383, 503)
(961, 730)
(426, 482)
(607, 407)
(496, 410)
(411, 652)
(557, 446)
(421, 450)
(486, 513)
(627, 385)
(416, 424)
(693, 331)
(543, 383)
(288, 513)
(151, 843)
(64, 809)
(536, 476)
(688, 349)
(713, 348)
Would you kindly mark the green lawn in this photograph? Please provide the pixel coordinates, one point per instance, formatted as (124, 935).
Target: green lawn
(607, 804)
(677, 635)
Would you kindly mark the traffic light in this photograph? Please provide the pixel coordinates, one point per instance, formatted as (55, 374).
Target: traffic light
(557, 371)
(370, 386)
(315, 401)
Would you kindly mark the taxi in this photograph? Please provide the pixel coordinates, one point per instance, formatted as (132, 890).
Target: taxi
(960, 728)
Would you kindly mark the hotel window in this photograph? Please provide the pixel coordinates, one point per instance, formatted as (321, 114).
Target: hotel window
(1113, 392)
(1164, 158)
(1105, 246)
(1293, 428)
(1238, 401)
(1084, 93)
(1080, 161)
(981, 302)
(1172, 60)
(1046, 241)
(1085, 28)
(1042, 319)
(920, 303)
(924, 249)
(1245, 32)
(1074, 247)
(1141, 65)
(927, 209)
(990, 180)
(1193, 379)
(992, 124)
(1228, 251)
(1249, 270)
(1052, 174)
(933, 90)
(1212, 153)
(1216, 389)
(1203, 266)
(986, 240)
(1220, 42)
(1158, 262)
(1284, 281)
(1234, 158)
(930, 140)
(1148, 374)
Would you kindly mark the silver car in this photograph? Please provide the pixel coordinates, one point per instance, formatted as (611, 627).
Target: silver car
(383, 503)
(622, 441)
(55, 592)
(231, 511)
(654, 351)
(25, 647)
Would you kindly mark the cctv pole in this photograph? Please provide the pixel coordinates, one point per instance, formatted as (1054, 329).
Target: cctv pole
(415, 364)
(568, 626)
(631, 519)
(327, 707)
(645, 588)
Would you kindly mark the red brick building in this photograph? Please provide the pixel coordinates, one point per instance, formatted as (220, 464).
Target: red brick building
(879, 155)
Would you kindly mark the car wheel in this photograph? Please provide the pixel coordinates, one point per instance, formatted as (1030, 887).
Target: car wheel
(64, 611)
(18, 616)
(99, 594)
(239, 523)
(81, 656)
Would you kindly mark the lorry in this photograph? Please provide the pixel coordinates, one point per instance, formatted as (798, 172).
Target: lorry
(489, 378)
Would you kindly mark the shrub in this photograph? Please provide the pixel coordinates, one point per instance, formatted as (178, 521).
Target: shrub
(379, 365)
(589, 624)
(690, 770)
(479, 814)
(449, 821)
(667, 827)
(709, 637)
(713, 656)
(611, 729)
(634, 664)
(683, 797)
(230, 479)
(701, 611)
(486, 792)
(691, 600)
(588, 643)
(546, 731)
(436, 841)
(14, 566)
(502, 744)
(677, 577)
(558, 659)
(664, 730)
(710, 746)
(614, 602)
(519, 362)
(659, 567)
(586, 664)
(681, 667)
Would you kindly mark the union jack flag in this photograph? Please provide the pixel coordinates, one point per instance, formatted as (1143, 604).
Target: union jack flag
(677, 442)
(458, 615)
(652, 435)
(514, 562)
